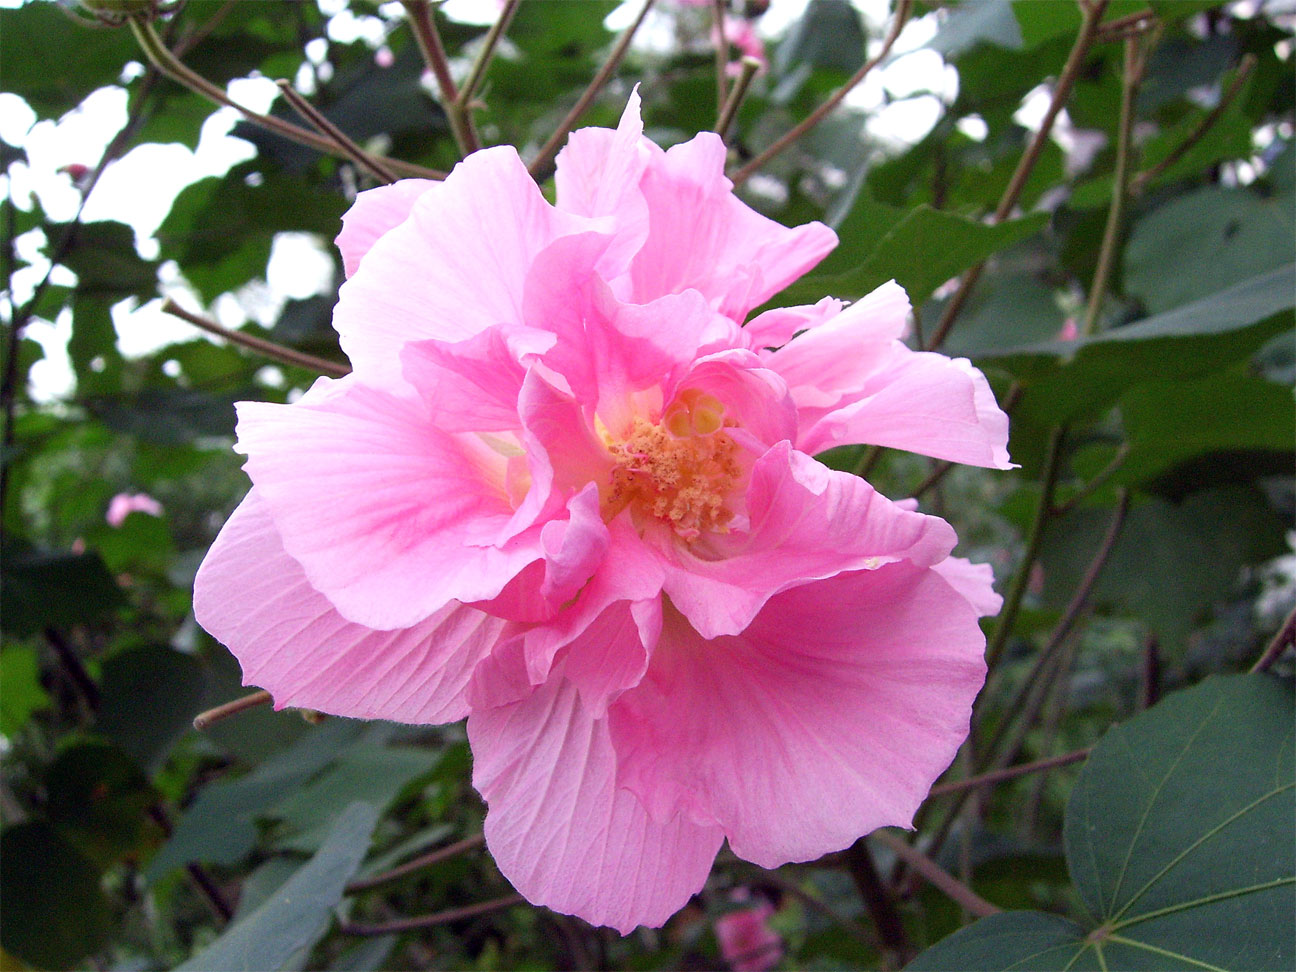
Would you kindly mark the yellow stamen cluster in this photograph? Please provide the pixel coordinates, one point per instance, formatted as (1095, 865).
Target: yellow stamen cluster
(680, 471)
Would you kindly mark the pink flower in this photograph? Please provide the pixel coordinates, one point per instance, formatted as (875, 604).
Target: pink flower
(566, 494)
(747, 942)
(744, 41)
(124, 504)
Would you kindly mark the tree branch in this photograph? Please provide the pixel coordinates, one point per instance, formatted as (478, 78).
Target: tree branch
(270, 349)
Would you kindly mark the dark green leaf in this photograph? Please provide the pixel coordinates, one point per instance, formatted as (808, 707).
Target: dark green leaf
(1179, 840)
(21, 693)
(149, 697)
(54, 913)
(35, 42)
(43, 588)
(167, 416)
(105, 261)
(828, 35)
(298, 913)
(99, 798)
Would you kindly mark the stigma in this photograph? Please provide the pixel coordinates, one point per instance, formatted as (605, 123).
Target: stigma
(679, 471)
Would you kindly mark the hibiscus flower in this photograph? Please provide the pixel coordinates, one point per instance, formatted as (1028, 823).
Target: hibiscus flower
(566, 493)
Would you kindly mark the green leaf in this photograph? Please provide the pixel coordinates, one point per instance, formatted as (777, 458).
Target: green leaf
(1169, 422)
(298, 913)
(973, 24)
(105, 261)
(1178, 837)
(148, 698)
(219, 827)
(54, 913)
(1206, 241)
(168, 416)
(98, 798)
(920, 252)
(373, 774)
(21, 692)
(828, 35)
(42, 588)
(1062, 380)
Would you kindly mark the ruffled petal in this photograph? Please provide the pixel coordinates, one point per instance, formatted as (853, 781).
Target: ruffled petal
(390, 516)
(703, 237)
(829, 717)
(375, 212)
(775, 328)
(974, 581)
(807, 522)
(562, 831)
(255, 599)
(920, 402)
(454, 267)
(471, 385)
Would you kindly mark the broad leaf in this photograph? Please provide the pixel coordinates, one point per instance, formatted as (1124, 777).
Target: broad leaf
(1179, 840)
(42, 588)
(298, 913)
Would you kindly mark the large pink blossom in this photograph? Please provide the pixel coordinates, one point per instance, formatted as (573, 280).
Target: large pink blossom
(568, 494)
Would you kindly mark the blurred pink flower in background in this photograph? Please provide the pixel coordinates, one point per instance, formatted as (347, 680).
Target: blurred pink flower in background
(124, 504)
(744, 41)
(567, 493)
(747, 942)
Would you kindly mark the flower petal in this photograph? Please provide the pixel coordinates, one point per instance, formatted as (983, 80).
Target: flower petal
(974, 581)
(561, 830)
(375, 212)
(808, 522)
(456, 266)
(703, 237)
(390, 517)
(255, 599)
(829, 717)
(920, 402)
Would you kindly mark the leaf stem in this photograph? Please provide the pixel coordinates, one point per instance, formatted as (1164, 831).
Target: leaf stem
(270, 349)
(749, 66)
(326, 128)
(1092, 14)
(903, 9)
(1009, 773)
(430, 920)
(417, 864)
(205, 720)
(539, 166)
(721, 54)
(1285, 638)
(1021, 579)
(1245, 66)
(166, 62)
(483, 59)
(937, 877)
(429, 41)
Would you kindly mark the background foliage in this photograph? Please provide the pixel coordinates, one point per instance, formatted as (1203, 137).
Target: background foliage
(1145, 349)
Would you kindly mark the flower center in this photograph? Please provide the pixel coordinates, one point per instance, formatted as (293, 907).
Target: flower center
(679, 471)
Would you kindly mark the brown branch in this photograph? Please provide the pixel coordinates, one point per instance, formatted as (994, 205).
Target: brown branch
(205, 720)
(1285, 638)
(1117, 27)
(1097, 482)
(877, 899)
(1061, 92)
(539, 165)
(903, 9)
(478, 69)
(722, 51)
(749, 66)
(326, 128)
(203, 881)
(938, 878)
(1008, 773)
(436, 918)
(268, 348)
(417, 864)
(1244, 69)
(434, 55)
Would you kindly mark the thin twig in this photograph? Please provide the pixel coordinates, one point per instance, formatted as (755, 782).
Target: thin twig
(749, 66)
(436, 918)
(1021, 579)
(203, 881)
(903, 8)
(1115, 28)
(1008, 773)
(326, 128)
(881, 908)
(1150, 673)
(483, 59)
(539, 165)
(1285, 638)
(722, 52)
(205, 720)
(1147, 177)
(166, 62)
(417, 864)
(434, 55)
(1061, 92)
(940, 879)
(939, 471)
(270, 349)
(1131, 77)
(1098, 480)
